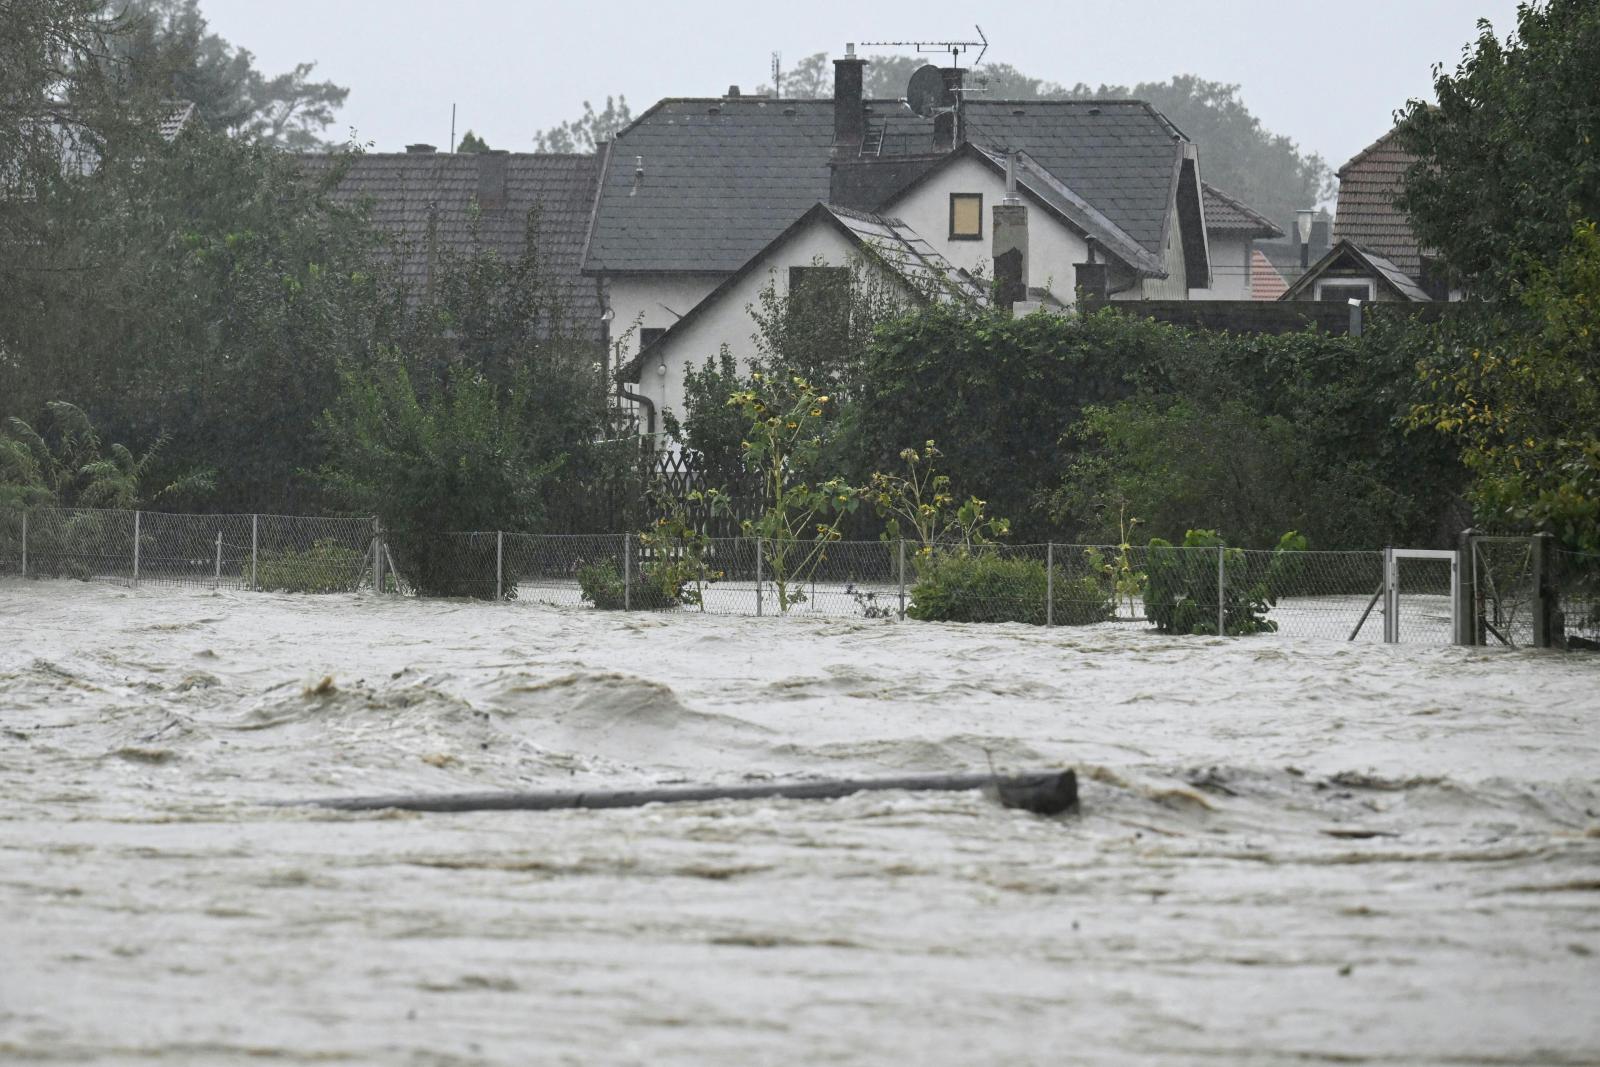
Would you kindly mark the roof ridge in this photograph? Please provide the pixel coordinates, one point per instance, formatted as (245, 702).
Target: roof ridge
(1369, 150)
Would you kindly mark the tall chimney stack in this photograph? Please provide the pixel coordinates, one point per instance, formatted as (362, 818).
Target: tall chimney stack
(849, 114)
(1011, 242)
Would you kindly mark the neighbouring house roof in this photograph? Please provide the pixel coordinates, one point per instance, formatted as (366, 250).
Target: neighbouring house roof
(463, 202)
(1265, 281)
(889, 241)
(1366, 213)
(722, 177)
(1224, 214)
(1346, 254)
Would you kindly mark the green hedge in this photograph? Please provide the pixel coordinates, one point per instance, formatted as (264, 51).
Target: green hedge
(985, 587)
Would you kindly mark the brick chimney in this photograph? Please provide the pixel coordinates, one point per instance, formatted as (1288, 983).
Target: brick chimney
(1010, 242)
(849, 114)
(492, 179)
(420, 149)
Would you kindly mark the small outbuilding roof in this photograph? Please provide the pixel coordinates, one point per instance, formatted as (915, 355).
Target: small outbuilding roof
(1224, 214)
(1347, 253)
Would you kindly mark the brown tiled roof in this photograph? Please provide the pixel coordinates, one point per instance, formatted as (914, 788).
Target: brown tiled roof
(1265, 281)
(415, 195)
(1224, 214)
(1366, 214)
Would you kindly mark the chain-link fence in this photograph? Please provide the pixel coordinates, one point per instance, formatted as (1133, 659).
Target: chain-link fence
(1575, 586)
(1505, 591)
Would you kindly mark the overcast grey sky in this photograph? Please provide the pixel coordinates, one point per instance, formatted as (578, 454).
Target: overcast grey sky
(1327, 75)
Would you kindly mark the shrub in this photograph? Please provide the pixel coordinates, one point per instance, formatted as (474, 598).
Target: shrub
(602, 586)
(1180, 595)
(983, 587)
(325, 567)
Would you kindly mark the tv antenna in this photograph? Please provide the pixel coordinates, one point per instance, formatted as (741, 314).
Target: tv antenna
(955, 48)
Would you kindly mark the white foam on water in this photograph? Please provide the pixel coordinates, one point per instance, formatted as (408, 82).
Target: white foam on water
(1289, 849)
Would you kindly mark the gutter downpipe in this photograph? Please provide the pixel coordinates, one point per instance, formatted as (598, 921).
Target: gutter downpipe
(622, 389)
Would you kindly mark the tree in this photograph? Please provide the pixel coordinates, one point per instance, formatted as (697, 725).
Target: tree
(168, 44)
(1508, 156)
(471, 142)
(585, 133)
(1525, 408)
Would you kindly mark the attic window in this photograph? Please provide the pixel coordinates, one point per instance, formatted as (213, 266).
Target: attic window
(966, 216)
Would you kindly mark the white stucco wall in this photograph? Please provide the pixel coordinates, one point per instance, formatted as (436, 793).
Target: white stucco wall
(652, 300)
(1053, 249)
(1175, 285)
(728, 321)
(1230, 269)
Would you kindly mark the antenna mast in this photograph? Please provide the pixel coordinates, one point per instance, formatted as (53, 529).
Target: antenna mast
(955, 48)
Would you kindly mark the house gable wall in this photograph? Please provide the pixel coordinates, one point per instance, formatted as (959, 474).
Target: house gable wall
(1053, 249)
(1230, 268)
(651, 301)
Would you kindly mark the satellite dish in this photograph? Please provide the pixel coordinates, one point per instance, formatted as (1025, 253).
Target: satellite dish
(925, 92)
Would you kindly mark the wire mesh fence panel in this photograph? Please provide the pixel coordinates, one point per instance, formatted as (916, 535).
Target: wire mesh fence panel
(834, 578)
(1424, 605)
(83, 543)
(1504, 593)
(1575, 584)
(199, 550)
(304, 554)
(564, 569)
(12, 523)
(723, 582)
(1336, 595)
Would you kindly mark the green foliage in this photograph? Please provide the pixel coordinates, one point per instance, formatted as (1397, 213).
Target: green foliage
(1509, 154)
(923, 500)
(801, 509)
(471, 142)
(463, 455)
(1524, 405)
(983, 586)
(326, 567)
(66, 466)
(602, 586)
(1181, 593)
(1187, 428)
(714, 427)
(681, 555)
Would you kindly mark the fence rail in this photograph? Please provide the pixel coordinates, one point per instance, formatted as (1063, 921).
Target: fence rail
(1511, 592)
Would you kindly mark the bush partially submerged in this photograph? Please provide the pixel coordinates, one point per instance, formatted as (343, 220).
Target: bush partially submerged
(602, 586)
(326, 567)
(985, 587)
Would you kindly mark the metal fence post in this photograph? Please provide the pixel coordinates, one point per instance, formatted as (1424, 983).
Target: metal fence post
(901, 568)
(1466, 611)
(1222, 591)
(1391, 598)
(135, 548)
(1542, 601)
(758, 576)
(1049, 583)
(216, 574)
(377, 556)
(499, 563)
(253, 540)
(24, 544)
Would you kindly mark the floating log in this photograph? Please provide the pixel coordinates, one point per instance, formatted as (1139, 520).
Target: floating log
(1043, 792)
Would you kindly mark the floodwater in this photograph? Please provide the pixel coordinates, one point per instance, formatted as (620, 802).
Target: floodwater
(1289, 850)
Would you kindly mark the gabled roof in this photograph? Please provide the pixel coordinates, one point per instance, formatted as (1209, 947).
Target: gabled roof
(1366, 213)
(1224, 214)
(423, 197)
(1344, 252)
(722, 177)
(1265, 281)
(888, 241)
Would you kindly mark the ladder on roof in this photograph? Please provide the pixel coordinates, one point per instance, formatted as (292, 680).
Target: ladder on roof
(874, 147)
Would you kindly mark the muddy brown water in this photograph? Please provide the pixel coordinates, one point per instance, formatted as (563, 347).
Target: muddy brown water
(1289, 851)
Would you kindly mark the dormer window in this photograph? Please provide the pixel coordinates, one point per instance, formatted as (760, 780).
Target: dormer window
(966, 216)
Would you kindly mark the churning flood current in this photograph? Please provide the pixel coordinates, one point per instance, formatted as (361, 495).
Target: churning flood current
(1288, 851)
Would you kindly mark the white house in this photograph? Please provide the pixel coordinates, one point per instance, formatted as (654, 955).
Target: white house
(699, 199)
